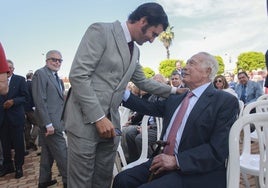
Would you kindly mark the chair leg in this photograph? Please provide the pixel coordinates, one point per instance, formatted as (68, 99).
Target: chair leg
(245, 178)
(257, 181)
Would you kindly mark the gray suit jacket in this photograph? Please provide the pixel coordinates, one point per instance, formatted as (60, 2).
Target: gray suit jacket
(48, 99)
(100, 72)
(253, 91)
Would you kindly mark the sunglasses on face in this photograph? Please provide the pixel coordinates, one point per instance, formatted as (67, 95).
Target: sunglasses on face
(220, 81)
(55, 60)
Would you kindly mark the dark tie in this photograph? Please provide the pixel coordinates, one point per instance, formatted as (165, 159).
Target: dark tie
(131, 46)
(243, 94)
(169, 149)
(58, 80)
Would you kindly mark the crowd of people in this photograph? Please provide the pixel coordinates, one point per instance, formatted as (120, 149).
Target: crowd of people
(198, 108)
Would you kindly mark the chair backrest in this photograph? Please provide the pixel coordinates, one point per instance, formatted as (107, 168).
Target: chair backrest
(241, 107)
(259, 120)
(159, 123)
(144, 136)
(124, 115)
(261, 107)
(263, 97)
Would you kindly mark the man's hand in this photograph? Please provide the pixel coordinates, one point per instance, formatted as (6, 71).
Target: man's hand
(163, 162)
(8, 104)
(181, 90)
(105, 128)
(50, 130)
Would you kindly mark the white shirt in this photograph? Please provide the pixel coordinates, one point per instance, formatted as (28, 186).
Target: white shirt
(197, 93)
(126, 32)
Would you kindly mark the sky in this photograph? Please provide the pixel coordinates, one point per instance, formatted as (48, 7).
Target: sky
(30, 28)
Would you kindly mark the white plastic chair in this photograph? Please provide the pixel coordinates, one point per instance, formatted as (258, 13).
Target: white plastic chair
(247, 162)
(241, 107)
(144, 134)
(261, 106)
(121, 161)
(159, 124)
(254, 164)
(124, 115)
(263, 97)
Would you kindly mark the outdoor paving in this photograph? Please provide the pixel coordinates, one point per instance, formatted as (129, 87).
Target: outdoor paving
(31, 174)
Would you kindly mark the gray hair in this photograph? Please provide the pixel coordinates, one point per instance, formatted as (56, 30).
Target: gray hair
(52, 52)
(210, 61)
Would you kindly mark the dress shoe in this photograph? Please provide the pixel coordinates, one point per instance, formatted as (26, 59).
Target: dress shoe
(6, 169)
(19, 172)
(47, 184)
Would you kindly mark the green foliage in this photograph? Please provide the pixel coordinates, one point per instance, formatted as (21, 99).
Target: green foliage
(221, 65)
(249, 61)
(167, 66)
(149, 73)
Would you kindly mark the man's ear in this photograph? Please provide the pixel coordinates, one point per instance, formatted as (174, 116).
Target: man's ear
(143, 20)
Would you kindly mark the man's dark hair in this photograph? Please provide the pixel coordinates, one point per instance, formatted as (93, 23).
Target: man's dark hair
(243, 72)
(153, 12)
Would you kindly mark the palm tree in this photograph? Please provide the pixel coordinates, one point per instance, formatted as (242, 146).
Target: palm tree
(166, 37)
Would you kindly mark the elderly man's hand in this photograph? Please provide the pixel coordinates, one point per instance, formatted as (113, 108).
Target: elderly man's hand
(163, 162)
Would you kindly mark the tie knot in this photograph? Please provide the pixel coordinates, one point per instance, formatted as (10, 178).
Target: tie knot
(190, 94)
(56, 75)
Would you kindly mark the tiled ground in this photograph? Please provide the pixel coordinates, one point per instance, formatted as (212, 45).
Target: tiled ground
(31, 173)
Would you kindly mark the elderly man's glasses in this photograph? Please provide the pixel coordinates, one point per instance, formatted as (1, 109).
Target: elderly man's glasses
(55, 60)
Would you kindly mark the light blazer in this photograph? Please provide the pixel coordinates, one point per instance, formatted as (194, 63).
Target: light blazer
(203, 149)
(19, 93)
(100, 72)
(253, 91)
(48, 99)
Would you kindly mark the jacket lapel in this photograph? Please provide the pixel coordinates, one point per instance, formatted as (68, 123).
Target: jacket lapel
(201, 105)
(122, 45)
(54, 81)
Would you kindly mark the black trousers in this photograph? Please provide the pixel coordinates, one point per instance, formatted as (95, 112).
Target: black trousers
(12, 136)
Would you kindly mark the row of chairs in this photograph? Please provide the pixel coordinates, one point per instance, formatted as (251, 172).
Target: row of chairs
(254, 164)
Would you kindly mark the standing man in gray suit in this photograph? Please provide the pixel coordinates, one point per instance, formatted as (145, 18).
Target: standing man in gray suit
(102, 67)
(47, 90)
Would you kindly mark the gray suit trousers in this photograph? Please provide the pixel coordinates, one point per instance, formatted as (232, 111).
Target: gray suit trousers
(94, 157)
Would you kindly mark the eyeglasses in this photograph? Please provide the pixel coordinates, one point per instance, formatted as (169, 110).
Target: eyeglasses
(55, 59)
(218, 81)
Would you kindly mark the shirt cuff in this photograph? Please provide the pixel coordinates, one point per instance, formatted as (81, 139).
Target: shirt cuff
(173, 90)
(126, 95)
(49, 125)
(177, 161)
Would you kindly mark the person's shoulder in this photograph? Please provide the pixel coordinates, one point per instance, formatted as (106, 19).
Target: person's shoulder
(19, 77)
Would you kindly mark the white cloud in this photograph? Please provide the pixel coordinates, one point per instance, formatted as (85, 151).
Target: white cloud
(218, 26)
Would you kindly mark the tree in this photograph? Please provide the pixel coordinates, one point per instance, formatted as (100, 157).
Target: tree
(167, 66)
(250, 61)
(149, 73)
(221, 65)
(166, 37)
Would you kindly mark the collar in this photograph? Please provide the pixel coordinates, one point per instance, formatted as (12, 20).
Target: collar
(198, 91)
(126, 31)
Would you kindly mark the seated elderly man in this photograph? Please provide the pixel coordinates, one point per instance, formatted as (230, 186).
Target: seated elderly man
(196, 133)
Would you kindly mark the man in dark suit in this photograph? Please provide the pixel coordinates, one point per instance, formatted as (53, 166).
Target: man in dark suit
(201, 142)
(12, 127)
(31, 128)
(47, 91)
